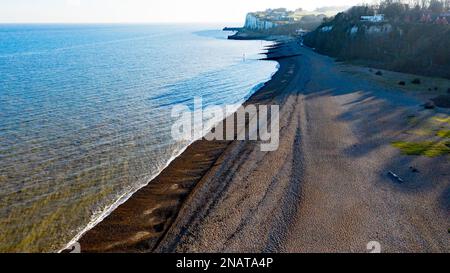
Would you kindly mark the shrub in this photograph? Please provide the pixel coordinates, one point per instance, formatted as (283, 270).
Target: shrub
(429, 105)
(424, 148)
(416, 81)
(442, 101)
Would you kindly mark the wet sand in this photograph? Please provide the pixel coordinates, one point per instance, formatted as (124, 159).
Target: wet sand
(326, 189)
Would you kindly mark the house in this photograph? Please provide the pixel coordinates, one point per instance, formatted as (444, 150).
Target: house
(426, 18)
(301, 32)
(441, 21)
(326, 29)
(278, 15)
(373, 18)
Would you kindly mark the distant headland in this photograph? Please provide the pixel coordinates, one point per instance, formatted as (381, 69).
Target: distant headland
(281, 22)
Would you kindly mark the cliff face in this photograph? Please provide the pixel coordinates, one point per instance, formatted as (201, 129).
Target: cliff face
(405, 47)
(271, 22)
(252, 22)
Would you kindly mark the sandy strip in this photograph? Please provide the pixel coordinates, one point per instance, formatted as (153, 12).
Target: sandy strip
(326, 189)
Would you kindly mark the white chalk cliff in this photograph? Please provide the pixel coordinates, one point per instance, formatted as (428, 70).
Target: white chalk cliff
(253, 22)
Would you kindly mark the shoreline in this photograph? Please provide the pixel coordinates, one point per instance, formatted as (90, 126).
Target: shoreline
(100, 236)
(125, 197)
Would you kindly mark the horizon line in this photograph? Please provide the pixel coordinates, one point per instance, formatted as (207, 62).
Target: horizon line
(115, 23)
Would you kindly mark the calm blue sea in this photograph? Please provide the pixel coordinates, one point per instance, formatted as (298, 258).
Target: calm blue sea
(85, 116)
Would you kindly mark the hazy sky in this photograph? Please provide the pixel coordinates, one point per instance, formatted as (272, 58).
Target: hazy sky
(146, 10)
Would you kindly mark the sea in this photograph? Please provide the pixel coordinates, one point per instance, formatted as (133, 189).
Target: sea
(85, 116)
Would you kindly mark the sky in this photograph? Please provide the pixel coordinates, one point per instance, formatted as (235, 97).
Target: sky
(152, 11)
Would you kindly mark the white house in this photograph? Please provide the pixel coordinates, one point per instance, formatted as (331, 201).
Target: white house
(374, 19)
(326, 29)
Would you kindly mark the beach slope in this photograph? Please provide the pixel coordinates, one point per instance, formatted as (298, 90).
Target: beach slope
(328, 188)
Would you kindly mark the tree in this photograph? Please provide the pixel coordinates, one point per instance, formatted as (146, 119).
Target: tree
(357, 11)
(393, 10)
(436, 6)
